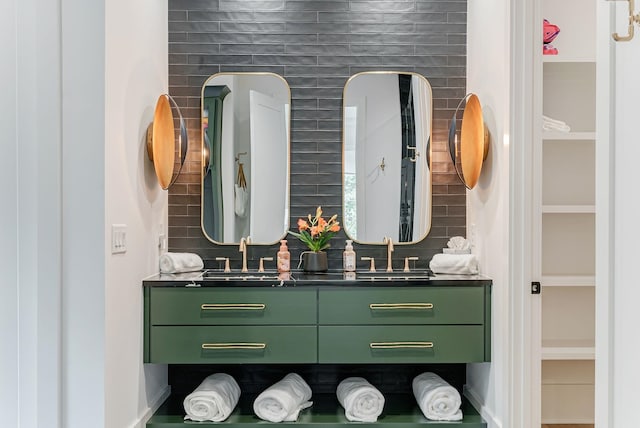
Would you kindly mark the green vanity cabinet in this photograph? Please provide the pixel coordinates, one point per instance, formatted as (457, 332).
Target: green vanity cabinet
(334, 322)
(400, 344)
(200, 325)
(402, 305)
(232, 306)
(401, 325)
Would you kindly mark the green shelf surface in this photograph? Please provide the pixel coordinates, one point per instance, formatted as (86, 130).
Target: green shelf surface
(400, 411)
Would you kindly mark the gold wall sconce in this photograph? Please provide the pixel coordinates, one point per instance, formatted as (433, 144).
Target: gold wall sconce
(469, 147)
(167, 141)
(633, 18)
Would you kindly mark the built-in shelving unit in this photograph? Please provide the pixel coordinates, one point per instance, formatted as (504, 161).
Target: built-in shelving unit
(565, 214)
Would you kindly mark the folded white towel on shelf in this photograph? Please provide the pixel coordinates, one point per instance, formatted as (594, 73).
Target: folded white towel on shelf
(549, 124)
(180, 262)
(283, 400)
(362, 402)
(213, 400)
(438, 400)
(462, 264)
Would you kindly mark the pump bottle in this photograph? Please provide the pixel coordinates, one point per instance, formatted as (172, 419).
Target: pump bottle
(349, 257)
(284, 257)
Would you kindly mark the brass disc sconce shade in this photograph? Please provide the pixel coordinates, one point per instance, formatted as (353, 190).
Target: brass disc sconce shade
(167, 141)
(469, 147)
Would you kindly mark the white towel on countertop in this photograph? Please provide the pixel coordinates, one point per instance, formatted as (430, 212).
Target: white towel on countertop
(213, 400)
(438, 400)
(180, 262)
(362, 402)
(459, 243)
(464, 264)
(283, 400)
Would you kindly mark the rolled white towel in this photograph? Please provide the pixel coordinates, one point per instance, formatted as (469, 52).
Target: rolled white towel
(438, 400)
(283, 400)
(213, 400)
(362, 402)
(180, 262)
(465, 264)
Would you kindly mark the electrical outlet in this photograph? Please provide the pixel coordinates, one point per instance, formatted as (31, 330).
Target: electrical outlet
(118, 238)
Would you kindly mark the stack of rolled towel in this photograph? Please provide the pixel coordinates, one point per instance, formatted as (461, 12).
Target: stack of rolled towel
(455, 259)
(213, 400)
(180, 262)
(217, 396)
(438, 400)
(362, 402)
(283, 401)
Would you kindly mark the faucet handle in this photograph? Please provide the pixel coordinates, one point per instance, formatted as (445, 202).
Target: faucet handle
(226, 263)
(406, 263)
(372, 266)
(261, 265)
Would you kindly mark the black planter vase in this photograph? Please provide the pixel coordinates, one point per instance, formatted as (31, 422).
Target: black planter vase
(315, 262)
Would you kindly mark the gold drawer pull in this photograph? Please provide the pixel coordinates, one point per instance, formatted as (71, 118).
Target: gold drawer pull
(400, 345)
(233, 306)
(375, 306)
(237, 345)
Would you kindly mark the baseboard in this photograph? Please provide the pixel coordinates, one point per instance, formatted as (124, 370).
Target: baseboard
(478, 403)
(153, 406)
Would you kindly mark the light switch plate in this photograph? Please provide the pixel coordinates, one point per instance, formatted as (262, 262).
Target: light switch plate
(118, 238)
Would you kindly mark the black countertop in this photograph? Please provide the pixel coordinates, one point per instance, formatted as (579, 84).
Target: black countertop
(217, 278)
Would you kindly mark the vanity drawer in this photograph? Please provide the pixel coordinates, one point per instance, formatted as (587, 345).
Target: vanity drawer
(232, 306)
(400, 344)
(425, 305)
(235, 344)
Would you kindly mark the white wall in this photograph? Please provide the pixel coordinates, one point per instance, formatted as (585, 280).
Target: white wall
(136, 70)
(71, 314)
(31, 214)
(488, 75)
(83, 177)
(623, 291)
(9, 366)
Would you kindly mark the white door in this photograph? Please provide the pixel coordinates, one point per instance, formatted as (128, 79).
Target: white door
(269, 167)
(618, 292)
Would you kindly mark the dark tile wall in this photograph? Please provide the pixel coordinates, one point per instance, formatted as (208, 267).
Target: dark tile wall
(316, 45)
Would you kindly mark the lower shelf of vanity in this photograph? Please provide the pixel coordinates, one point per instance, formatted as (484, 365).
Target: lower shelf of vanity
(400, 411)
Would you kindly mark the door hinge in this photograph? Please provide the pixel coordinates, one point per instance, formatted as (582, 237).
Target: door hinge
(535, 287)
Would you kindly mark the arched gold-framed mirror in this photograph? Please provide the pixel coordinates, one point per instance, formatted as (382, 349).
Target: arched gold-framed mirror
(386, 158)
(245, 155)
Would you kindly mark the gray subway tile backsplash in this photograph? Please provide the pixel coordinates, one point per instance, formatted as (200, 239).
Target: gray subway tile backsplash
(316, 46)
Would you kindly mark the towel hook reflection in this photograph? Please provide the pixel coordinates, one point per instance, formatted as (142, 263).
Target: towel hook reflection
(633, 18)
(240, 154)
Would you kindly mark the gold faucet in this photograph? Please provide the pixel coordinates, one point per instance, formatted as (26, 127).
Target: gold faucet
(389, 243)
(243, 249)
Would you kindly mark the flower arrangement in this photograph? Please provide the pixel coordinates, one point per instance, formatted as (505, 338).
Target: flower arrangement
(316, 232)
